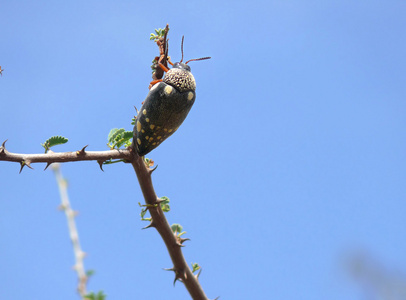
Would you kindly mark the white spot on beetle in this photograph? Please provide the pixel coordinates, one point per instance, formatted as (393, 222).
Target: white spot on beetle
(168, 90)
(190, 96)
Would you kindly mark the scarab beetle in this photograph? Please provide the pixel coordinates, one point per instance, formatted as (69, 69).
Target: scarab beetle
(165, 107)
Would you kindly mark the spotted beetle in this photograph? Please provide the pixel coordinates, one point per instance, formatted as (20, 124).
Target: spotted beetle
(165, 107)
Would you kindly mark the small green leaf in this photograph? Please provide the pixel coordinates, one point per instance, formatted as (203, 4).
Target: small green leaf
(99, 296)
(114, 133)
(90, 273)
(119, 137)
(195, 267)
(165, 204)
(53, 141)
(158, 34)
(176, 228)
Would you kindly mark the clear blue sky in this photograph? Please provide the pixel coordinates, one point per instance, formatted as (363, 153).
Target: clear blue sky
(292, 157)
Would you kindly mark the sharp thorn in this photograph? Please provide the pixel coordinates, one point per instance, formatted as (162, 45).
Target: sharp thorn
(198, 274)
(82, 151)
(171, 269)
(48, 164)
(100, 162)
(136, 109)
(22, 166)
(183, 240)
(217, 298)
(149, 225)
(159, 201)
(152, 170)
(176, 279)
(4, 144)
(29, 165)
(3, 147)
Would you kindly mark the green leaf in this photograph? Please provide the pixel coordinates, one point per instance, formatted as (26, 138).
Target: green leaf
(99, 296)
(90, 273)
(119, 137)
(165, 204)
(176, 228)
(158, 34)
(195, 267)
(53, 141)
(114, 133)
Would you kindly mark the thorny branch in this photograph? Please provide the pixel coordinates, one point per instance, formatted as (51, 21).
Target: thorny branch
(79, 266)
(173, 243)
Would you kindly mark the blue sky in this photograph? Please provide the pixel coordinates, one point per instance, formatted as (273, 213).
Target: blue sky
(292, 158)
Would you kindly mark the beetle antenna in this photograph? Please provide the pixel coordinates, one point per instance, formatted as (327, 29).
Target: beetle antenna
(202, 58)
(181, 47)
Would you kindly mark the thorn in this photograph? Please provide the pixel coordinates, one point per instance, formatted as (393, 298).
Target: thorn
(198, 274)
(152, 224)
(217, 298)
(3, 147)
(182, 240)
(81, 152)
(23, 164)
(152, 170)
(176, 279)
(159, 201)
(136, 110)
(48, 164)
(171, 269)
(100, 162)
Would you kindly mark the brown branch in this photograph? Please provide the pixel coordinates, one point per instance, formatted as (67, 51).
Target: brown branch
(61, 157)
(180, 267)
(173, 243)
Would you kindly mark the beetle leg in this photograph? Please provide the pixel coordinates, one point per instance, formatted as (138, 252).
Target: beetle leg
(155, 81)
(169, 61)
(163, 67)
(152, 83)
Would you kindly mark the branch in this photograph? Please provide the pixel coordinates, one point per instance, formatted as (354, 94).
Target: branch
(61, 157)
(173, 243)
(73, 232)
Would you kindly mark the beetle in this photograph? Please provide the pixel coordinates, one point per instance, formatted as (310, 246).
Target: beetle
(165, 107)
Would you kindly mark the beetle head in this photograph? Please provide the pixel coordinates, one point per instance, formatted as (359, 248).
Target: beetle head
(184, 66)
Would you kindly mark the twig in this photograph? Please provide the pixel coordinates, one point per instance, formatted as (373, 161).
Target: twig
(182, 271)
(73, 233)
(180, 267)
(61, 157)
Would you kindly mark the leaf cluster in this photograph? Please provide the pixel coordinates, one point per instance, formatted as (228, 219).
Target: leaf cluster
(118, 138)
(158, 34)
